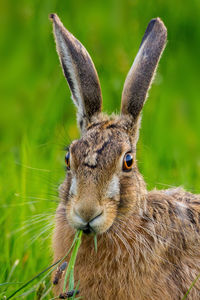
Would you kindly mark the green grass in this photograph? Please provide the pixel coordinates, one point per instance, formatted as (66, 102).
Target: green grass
(40, 287)
(38, 118)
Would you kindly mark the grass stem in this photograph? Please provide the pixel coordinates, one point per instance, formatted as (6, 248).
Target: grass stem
(45, 270)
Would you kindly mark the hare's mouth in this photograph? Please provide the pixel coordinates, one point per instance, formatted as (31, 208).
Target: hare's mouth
(91, 225)
(88, 230)
(99, 223)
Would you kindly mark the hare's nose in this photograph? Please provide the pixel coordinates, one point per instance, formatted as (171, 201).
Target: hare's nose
(87, 217)
(85, 220)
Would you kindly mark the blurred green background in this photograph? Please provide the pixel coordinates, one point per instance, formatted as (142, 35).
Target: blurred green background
(37, 117)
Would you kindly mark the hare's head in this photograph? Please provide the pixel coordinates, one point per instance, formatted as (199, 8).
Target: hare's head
(103, 183)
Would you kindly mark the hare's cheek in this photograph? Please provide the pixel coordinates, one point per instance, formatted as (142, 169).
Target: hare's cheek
(73, 187)
(113, 188)
(109, 217)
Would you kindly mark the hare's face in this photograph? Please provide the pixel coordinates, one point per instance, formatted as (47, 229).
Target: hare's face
(103, 184)
(102, 173)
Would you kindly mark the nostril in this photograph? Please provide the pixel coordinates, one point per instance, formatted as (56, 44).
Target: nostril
(97, 216)
(86, 215)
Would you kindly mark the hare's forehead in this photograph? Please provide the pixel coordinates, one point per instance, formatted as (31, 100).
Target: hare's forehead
(100, 144)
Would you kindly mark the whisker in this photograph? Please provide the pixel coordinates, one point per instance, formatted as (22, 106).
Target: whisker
(32, 168)
(124, 241)
(35, 198)
(34, 221)
(141, 238)
(36, 236)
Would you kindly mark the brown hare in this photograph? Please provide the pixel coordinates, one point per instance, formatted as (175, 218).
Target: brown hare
(148, 242)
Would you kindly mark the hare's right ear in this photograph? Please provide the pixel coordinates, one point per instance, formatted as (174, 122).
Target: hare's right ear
(140, 76)
(80, 73)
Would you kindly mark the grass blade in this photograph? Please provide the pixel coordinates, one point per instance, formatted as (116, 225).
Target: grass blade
(95, 242)
(192, 285)
(73, 258)
(31, 280)
(45, 270)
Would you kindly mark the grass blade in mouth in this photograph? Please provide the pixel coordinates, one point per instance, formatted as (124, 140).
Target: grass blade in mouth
(72, 261)
(95, 242)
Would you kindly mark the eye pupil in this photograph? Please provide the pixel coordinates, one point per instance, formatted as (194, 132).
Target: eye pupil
(67, 160)
(128, 162)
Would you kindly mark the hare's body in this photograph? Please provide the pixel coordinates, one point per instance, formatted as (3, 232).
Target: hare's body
(155, 257)
(148, 242)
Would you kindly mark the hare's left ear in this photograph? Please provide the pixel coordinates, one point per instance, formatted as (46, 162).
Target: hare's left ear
(140, 76)
(80, 73)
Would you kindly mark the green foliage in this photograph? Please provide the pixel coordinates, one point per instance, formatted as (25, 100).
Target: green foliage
(38, 118)
(40, 291)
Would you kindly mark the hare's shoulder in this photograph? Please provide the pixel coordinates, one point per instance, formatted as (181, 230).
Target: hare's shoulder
(179, 194)
(175, 203)
(187, 200)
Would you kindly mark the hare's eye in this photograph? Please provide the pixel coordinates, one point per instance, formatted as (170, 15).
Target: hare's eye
(67, 160)
(127, 162)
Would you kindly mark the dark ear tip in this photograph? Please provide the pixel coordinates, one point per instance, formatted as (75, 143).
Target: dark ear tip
(161, 24)
(155, 27)
(158, 24)
(52, 16)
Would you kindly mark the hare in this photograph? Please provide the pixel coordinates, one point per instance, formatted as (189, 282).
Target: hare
(148, 242)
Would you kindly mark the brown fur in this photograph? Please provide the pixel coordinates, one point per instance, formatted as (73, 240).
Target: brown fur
(148, 242)
(151, 251)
